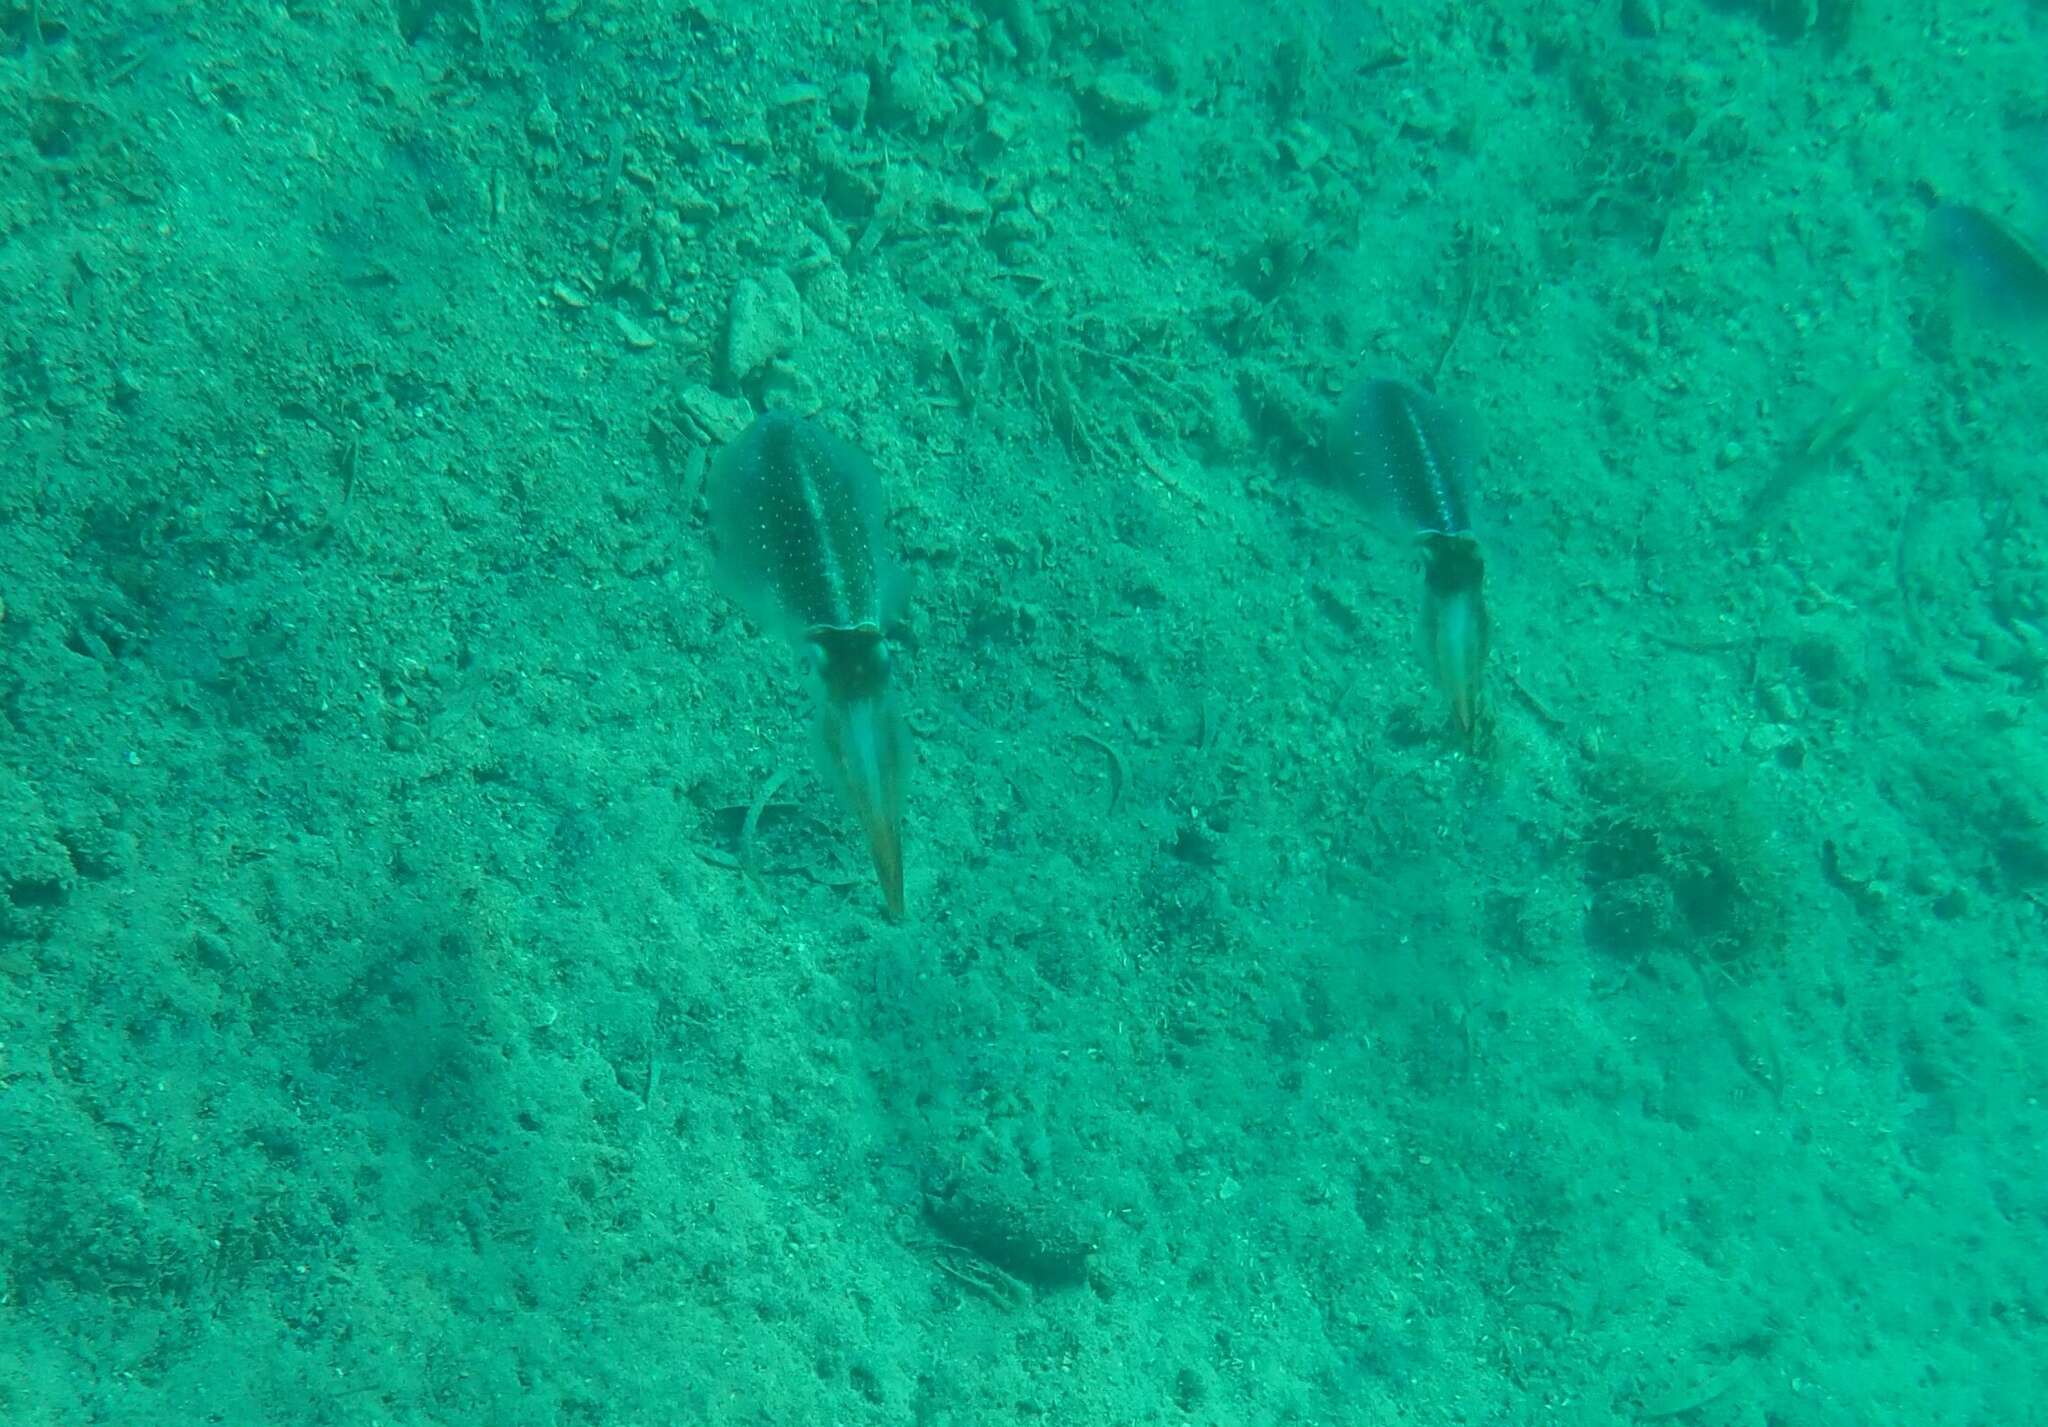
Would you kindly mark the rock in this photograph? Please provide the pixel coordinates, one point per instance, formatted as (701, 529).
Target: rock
(1027, 30)
(632, 333)
(916, 91)
(1303, 145)
(765, 321)
(850, 94)
(1124, 98)
(718, 419)
(960, 203)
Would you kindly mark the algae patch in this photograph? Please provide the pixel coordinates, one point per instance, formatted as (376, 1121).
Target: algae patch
(1677, 860)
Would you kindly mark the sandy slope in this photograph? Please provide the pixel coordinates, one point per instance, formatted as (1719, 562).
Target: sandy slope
(389, 1032)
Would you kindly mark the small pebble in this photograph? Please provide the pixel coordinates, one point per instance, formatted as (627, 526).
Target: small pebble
(636, 336)
(765, 321)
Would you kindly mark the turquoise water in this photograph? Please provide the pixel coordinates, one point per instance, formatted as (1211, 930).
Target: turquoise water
(439, 982)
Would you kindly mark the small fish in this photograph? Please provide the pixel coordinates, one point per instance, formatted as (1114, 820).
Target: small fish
(2001, 273)
(797, 517)
(1820, 442)
(1405, 453)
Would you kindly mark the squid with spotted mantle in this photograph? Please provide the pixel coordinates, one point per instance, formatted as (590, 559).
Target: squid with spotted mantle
(796, 514)
(1409, 456)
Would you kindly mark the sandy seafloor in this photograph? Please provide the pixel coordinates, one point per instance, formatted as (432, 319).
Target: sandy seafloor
(389, 1034)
